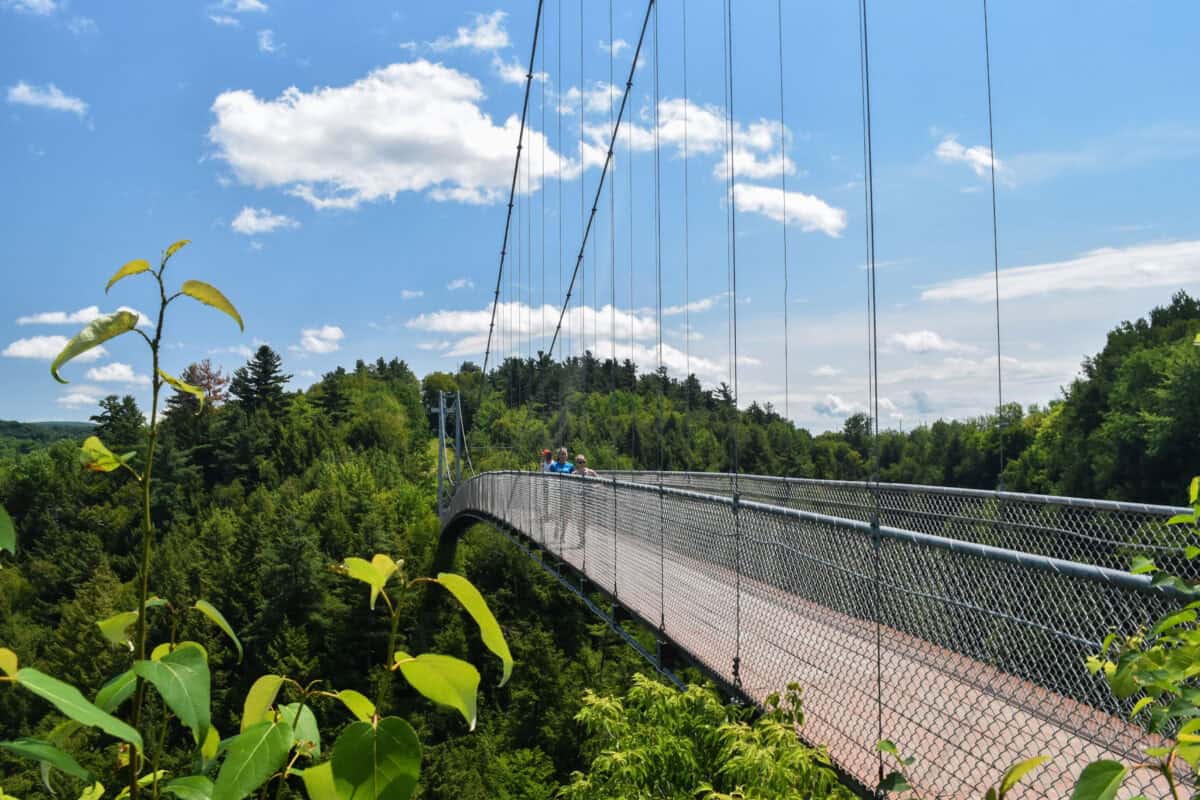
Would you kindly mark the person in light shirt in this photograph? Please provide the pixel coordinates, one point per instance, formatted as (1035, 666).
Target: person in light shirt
(547, 460)
(582, 468)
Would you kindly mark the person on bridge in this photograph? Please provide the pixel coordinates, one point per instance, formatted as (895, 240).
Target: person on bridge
(547, 460)
(562, 466)
(581, 467)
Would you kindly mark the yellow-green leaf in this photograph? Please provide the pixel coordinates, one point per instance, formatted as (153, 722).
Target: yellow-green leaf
(143, 782)
(93, 792)
(8, 532)
(1139, 705)
(362, 570)
(1017, 771)
(173, 249)
(470, 599)
(96, 333)
(384, 565)
(211, 296)
(134, 267)
(116, 628)
(259, 700)
(212, 742)
(357, 703)
(318, 781)
(1194, 490)
(93, 455)
(209, 610)
(8, 662)
(180, 386)
(445, 680)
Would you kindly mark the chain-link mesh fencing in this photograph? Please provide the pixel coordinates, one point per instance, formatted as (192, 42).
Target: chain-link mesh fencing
(964, 649)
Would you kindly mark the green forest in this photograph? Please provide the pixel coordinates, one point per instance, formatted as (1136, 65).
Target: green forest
(261, 490)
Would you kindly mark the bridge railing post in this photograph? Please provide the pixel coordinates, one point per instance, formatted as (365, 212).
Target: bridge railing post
(737, 562)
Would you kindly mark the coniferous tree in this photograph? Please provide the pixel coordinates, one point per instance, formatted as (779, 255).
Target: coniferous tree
(259, 384)
(119, 423)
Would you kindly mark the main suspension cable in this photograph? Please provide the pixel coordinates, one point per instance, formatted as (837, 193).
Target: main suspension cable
(603, 173)
(537, 27)
(987, 55)
(787, 404)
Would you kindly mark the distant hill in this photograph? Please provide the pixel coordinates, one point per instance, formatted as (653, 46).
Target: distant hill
(25, 437)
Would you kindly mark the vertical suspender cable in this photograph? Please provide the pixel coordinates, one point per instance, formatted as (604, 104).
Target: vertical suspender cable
(987, 55)
(582, 335)
(513, 188)
(787, 404)
(662, 554)
(687, 311)
(562, 152)
(612, 215)
(542, 192)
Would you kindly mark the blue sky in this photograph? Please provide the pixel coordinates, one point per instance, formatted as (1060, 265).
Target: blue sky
(342, 174)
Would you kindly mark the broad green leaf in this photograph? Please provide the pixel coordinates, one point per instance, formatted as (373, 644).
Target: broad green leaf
(93, 792)
(116, 691)
(1013, 775)
(1173, 620)
(306, 735)
(6, 796)
(143, 782)
(180, 386)
(211, 296)
(173, 249)
(1099, 780)
(894, 782)
(96, 333)
(183, 681)
(252, 757)
(209, 610)
(1182, 519)
(68, 700)
(8, 532)
(94, 456)
(1139, 705)
(1194, 490)
(135, 267)
(887, 746)
(116, 628)
(358, 704)
(212, 742)
(1191, 551)
(8, 662)
(377, 762)
(259, 700)
(1142, 565)
(46, 753)
(191, 787)
(362, 570)
(445, 680)
(384, 565)
(318, 781)
(470, 598)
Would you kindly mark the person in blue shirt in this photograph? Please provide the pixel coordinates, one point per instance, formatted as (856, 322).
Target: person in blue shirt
(561, 465)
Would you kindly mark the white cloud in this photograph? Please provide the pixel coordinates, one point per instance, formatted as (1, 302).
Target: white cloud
(117, 372)
(695, 306)
(266, 42)
(1168, 264)
(243, 6)
(45, 348)
(82, 26)
(485, 33)
(826, 371)
(411, 294)
(809, 212)
(978, 158)
(615, 48)
(926, 341)
(82, 396)
(251, 221)
(80, 317)
(460, 283)
(320, 340)
(224, 20)
(415, 126)
(442, 345)
(40, 7)
(513, 71)
(834, 406)
(48, 97)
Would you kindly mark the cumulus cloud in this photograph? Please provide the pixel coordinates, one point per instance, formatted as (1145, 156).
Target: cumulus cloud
(80, 317)
(39, 7)
(460, 283)
(243, 6)
(513, 71)
(807, 211)
(1167, 264)
(45, 348)
(834, 406)
(615, 47)
(486, 32)
(325, 339)
(978, 157)
(224, 20)
(411, 294)
(267, 43)
(926, 341)
(826, 371)
(695, 306)
(49, 97)
(117, 372)
(416, 127)
(251, 221)
(81, 397)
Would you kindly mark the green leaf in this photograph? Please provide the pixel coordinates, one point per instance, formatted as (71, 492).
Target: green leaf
(377, 762)
(46, 753)
(1142, 565)
(68, 700)
(8, 532)
(93, 792)
(1172, 621)
(143, 782)
(187, 388)
(1194, 490)
(1182, 519)
(116, 628)
(209, 610)
(135, 267)
(211, 744)
(887, 746)
(358, 704)
(183, 681)
(94, 456)
(445, 680)
(1139, 705)
(8, 662)
(362, 570)
(470, 598)
(894, 782)
(306, 735)
(96, 333)
(116, 691)
(252, 757)
(318, 781)
(1099, 780)
(191, 787)
(211, 296)
(1013, 774)
(173, 249)
(259, 700)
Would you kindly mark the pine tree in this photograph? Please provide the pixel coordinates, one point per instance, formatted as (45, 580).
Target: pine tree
(259, 384)
(119, 423)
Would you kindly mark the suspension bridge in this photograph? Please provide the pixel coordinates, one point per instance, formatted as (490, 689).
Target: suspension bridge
(954, 622)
